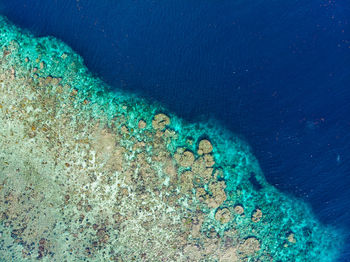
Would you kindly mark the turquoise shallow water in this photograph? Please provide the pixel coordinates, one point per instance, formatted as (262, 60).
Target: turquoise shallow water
(45, 86)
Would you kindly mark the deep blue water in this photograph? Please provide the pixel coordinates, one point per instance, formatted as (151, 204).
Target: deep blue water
(277, 72)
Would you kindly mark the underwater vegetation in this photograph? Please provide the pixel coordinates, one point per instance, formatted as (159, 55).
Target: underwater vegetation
(87, 174)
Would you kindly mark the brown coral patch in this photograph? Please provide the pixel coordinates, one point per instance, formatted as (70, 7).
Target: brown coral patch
(218, 194)
(239, 209)
(204, 147)
(209, 160)
(201, 169)
(184, 159)
(160, 121)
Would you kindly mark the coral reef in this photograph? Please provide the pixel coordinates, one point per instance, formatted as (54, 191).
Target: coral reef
(90, 174)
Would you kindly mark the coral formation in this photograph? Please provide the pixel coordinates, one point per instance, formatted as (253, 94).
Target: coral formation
(90, 174)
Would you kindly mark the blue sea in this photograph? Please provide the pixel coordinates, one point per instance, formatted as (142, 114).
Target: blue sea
(275, 72)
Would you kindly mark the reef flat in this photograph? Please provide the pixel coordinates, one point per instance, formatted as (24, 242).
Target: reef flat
(91, 174)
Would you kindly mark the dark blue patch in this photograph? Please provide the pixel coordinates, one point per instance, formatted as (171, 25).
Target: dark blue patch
(255, 183)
